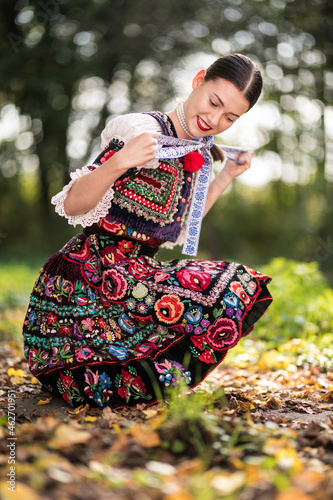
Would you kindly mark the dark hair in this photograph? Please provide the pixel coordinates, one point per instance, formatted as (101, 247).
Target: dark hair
(244, 74)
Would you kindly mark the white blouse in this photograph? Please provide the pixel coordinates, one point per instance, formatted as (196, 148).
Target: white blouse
(123, 128)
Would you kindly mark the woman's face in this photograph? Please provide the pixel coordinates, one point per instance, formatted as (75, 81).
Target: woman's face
(213, 106)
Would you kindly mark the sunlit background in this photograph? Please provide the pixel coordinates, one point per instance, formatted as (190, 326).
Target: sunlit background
(68, 67)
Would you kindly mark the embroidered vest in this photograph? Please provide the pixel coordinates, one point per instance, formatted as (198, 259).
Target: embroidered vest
(153, 201)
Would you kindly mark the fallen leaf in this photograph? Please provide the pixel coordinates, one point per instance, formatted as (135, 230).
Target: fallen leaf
(90, 418)
(79, 410)
(21, 491)
(150, 413)
(274, 403)
(16, 376)
(328, 397)
(293, 494)
(229, 483)
(272, 359)
(44, 401)
(66, 436)
(145, 436)
(287, 459)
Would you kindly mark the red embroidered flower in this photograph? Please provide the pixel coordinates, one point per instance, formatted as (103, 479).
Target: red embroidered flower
(193, 161)
(199, 341)
(222, 334)
(194, 280)
(66, 380)
(52, 319)
(66, 397)
(207, 356)
(137, 382)
(66, 330)
(112, 226)
(114, 285)
(124, 392)
(126, 246)
(127, 377)
(107, 155)
(169, 309)
(240, 292)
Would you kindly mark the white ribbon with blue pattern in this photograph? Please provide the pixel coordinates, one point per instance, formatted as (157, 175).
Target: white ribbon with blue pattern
(180, 147)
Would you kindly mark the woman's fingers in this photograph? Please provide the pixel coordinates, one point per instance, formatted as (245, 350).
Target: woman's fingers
(140, 149)
(246, 157)
(233, 169)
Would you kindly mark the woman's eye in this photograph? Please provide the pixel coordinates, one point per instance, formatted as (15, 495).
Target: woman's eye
(213, 103)
(230, 119)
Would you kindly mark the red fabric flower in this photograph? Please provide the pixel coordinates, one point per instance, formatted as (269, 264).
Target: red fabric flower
(66, 380)
(114, 285)
(125, 246)
(193, 161)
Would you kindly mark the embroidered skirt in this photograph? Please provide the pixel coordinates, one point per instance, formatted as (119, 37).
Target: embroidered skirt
(108, 324)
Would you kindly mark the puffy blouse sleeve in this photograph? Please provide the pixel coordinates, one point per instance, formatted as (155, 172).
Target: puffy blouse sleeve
(121, 128)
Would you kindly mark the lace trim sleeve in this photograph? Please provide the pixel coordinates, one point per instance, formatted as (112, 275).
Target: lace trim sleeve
(90, 217)
(121, 128)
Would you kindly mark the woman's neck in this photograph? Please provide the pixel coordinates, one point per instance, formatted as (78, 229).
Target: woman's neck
(179, 129)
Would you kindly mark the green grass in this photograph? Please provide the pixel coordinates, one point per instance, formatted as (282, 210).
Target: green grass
(16, 282)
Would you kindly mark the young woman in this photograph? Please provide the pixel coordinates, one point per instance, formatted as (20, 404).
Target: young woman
(107, 323)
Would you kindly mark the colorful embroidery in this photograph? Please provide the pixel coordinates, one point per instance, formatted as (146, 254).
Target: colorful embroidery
(172, 372)
(108, 324)
(154, 201)
(98, 386)
(68, 388)
(130, 385)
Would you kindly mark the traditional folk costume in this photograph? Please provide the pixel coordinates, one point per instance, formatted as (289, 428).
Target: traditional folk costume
(107, 323)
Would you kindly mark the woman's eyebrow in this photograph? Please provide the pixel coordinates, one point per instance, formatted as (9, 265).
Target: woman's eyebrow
(217, 97)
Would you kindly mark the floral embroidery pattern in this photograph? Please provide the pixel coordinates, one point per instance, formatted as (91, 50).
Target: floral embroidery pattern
(89, 338)
(130, 385)
(68, 388)
(169, 309)
(223, 333)
(172, 372)
(98, 387)
(114, 285)
(198, 281)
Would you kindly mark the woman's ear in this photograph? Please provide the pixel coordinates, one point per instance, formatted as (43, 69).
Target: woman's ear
(199, 77)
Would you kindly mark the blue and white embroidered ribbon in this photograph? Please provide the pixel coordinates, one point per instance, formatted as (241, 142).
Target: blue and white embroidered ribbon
(180, 147)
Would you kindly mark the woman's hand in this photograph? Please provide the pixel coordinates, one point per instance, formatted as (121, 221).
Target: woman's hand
(138, 150)
(232, 169)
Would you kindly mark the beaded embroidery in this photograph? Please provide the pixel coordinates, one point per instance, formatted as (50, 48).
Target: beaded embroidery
(155, 201)
(151, 193)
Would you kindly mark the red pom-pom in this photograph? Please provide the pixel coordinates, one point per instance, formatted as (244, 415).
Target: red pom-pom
(193, 161)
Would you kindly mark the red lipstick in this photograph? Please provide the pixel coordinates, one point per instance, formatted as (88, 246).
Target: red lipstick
(202, 124)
